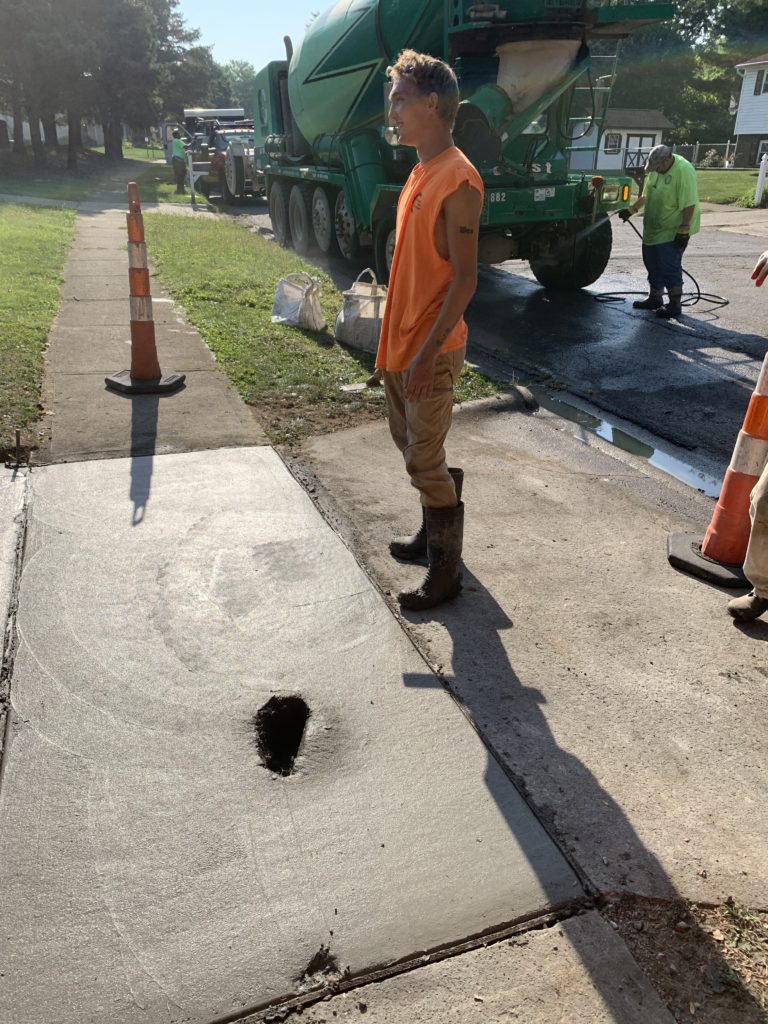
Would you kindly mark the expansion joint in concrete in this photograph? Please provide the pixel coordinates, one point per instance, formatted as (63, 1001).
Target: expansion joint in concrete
(10, 633)
(285, 1009)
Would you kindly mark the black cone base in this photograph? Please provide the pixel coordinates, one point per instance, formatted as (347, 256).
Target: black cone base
(684, 553)
(127, 385)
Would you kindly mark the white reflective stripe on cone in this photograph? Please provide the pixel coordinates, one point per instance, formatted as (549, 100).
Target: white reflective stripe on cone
(761, 388)
(749, 455)
(137, 255)
(141, 307)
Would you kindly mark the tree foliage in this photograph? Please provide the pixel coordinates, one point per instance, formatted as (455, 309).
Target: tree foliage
(686, 68)
(118, 62)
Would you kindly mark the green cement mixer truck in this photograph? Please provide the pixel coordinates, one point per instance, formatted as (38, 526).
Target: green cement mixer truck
(534, 76)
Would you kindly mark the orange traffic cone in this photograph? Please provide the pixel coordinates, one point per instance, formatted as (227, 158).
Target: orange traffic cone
(719, 557)
(145, 375)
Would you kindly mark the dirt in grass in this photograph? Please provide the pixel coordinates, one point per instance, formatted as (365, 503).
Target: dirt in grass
(708, 964)
(288, 421)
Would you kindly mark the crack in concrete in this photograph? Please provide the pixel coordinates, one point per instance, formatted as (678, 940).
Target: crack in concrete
(10, 633)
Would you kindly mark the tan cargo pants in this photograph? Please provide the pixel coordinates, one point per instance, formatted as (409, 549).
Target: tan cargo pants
(756, 561)
(419, 429)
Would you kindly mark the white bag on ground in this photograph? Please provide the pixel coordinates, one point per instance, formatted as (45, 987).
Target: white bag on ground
(297, 302)
(359, 322)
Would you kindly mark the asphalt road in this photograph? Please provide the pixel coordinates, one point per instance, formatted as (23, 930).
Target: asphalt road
(687, 383)
(684, 384)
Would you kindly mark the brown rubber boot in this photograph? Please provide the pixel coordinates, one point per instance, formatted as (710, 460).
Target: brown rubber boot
(410, 548)
(655, 300)
(445, 531)
(748, 607)
(673, 309)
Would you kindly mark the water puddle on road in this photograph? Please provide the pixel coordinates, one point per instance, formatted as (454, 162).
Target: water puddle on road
(680, 470)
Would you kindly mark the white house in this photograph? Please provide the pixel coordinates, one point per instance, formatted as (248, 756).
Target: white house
(627, 137)
(752, 115)
(92, 133)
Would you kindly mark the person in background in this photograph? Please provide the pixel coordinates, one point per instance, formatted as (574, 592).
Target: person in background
(752, 605)
(423, 333)
(178, 160)
(671, 214)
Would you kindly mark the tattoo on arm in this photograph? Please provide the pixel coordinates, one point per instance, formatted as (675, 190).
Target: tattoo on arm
(464, 230)
(438, 340)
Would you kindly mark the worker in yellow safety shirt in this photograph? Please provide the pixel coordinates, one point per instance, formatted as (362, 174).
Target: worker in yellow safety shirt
(671, 214)
(178, 160)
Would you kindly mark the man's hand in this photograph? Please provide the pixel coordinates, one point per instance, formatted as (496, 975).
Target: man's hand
(625, 214)
(420, 377)
(681, 240)
(760, 272)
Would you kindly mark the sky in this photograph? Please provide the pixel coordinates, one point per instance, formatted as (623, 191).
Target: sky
(249, 30)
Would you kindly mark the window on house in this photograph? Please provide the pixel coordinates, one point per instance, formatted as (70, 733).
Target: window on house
(612, 143)
(759, 82)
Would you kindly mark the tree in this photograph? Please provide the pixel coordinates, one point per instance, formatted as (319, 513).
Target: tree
(194, 80)
(241, 77)
(686, 67)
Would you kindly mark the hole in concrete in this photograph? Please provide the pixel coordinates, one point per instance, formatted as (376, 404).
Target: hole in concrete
(280, 728)
(321, 969)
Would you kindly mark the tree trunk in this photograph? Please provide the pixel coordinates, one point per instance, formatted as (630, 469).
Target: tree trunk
(74, 139)
(18, 120)
(49, 131)
(38, 150)
(113, 139)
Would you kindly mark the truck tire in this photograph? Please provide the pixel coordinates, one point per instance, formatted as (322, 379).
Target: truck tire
(227, 198)
(345, 229)
(383, 248)
(234, 172)
(278, 213)
(322, 220)
(579, 260)
(300, 220)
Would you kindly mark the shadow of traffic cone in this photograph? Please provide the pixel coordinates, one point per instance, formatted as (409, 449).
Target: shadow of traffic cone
(719, 557)
(145, 376)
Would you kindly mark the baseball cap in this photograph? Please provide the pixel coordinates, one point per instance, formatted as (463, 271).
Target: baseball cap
(657, 156)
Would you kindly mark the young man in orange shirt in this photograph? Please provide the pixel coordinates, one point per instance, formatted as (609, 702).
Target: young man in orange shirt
(423, 334)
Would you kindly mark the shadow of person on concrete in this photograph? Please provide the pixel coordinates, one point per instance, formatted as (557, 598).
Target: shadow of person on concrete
(509, 717)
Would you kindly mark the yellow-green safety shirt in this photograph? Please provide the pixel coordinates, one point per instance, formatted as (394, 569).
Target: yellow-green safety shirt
(178, 151)
(666, 196)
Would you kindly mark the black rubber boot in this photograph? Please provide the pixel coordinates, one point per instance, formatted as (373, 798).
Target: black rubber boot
(748, 607)
(445, 531)
(408, 549)
(654, 301)
(673, 309)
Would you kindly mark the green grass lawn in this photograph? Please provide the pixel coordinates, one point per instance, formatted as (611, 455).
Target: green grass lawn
(33, 246)
(131, 152)
(726, 186)
(157, 185)
(18, 176)
(224, 278)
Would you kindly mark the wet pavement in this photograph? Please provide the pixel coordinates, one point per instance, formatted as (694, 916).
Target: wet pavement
(688, 383)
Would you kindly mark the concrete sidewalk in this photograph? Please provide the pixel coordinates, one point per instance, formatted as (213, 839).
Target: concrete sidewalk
(617, 691)
(153, 869)
(90, 339)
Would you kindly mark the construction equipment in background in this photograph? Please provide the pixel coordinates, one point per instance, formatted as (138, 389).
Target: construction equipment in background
(333, 171)
(220, 152)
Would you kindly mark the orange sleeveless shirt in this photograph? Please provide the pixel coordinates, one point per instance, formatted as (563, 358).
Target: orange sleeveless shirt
(420, 277)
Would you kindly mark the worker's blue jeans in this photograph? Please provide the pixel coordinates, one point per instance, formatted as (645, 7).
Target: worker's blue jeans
(664, 263)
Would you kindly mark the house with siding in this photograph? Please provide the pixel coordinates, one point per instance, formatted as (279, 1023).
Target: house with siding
(627, 138)
(752, 115)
